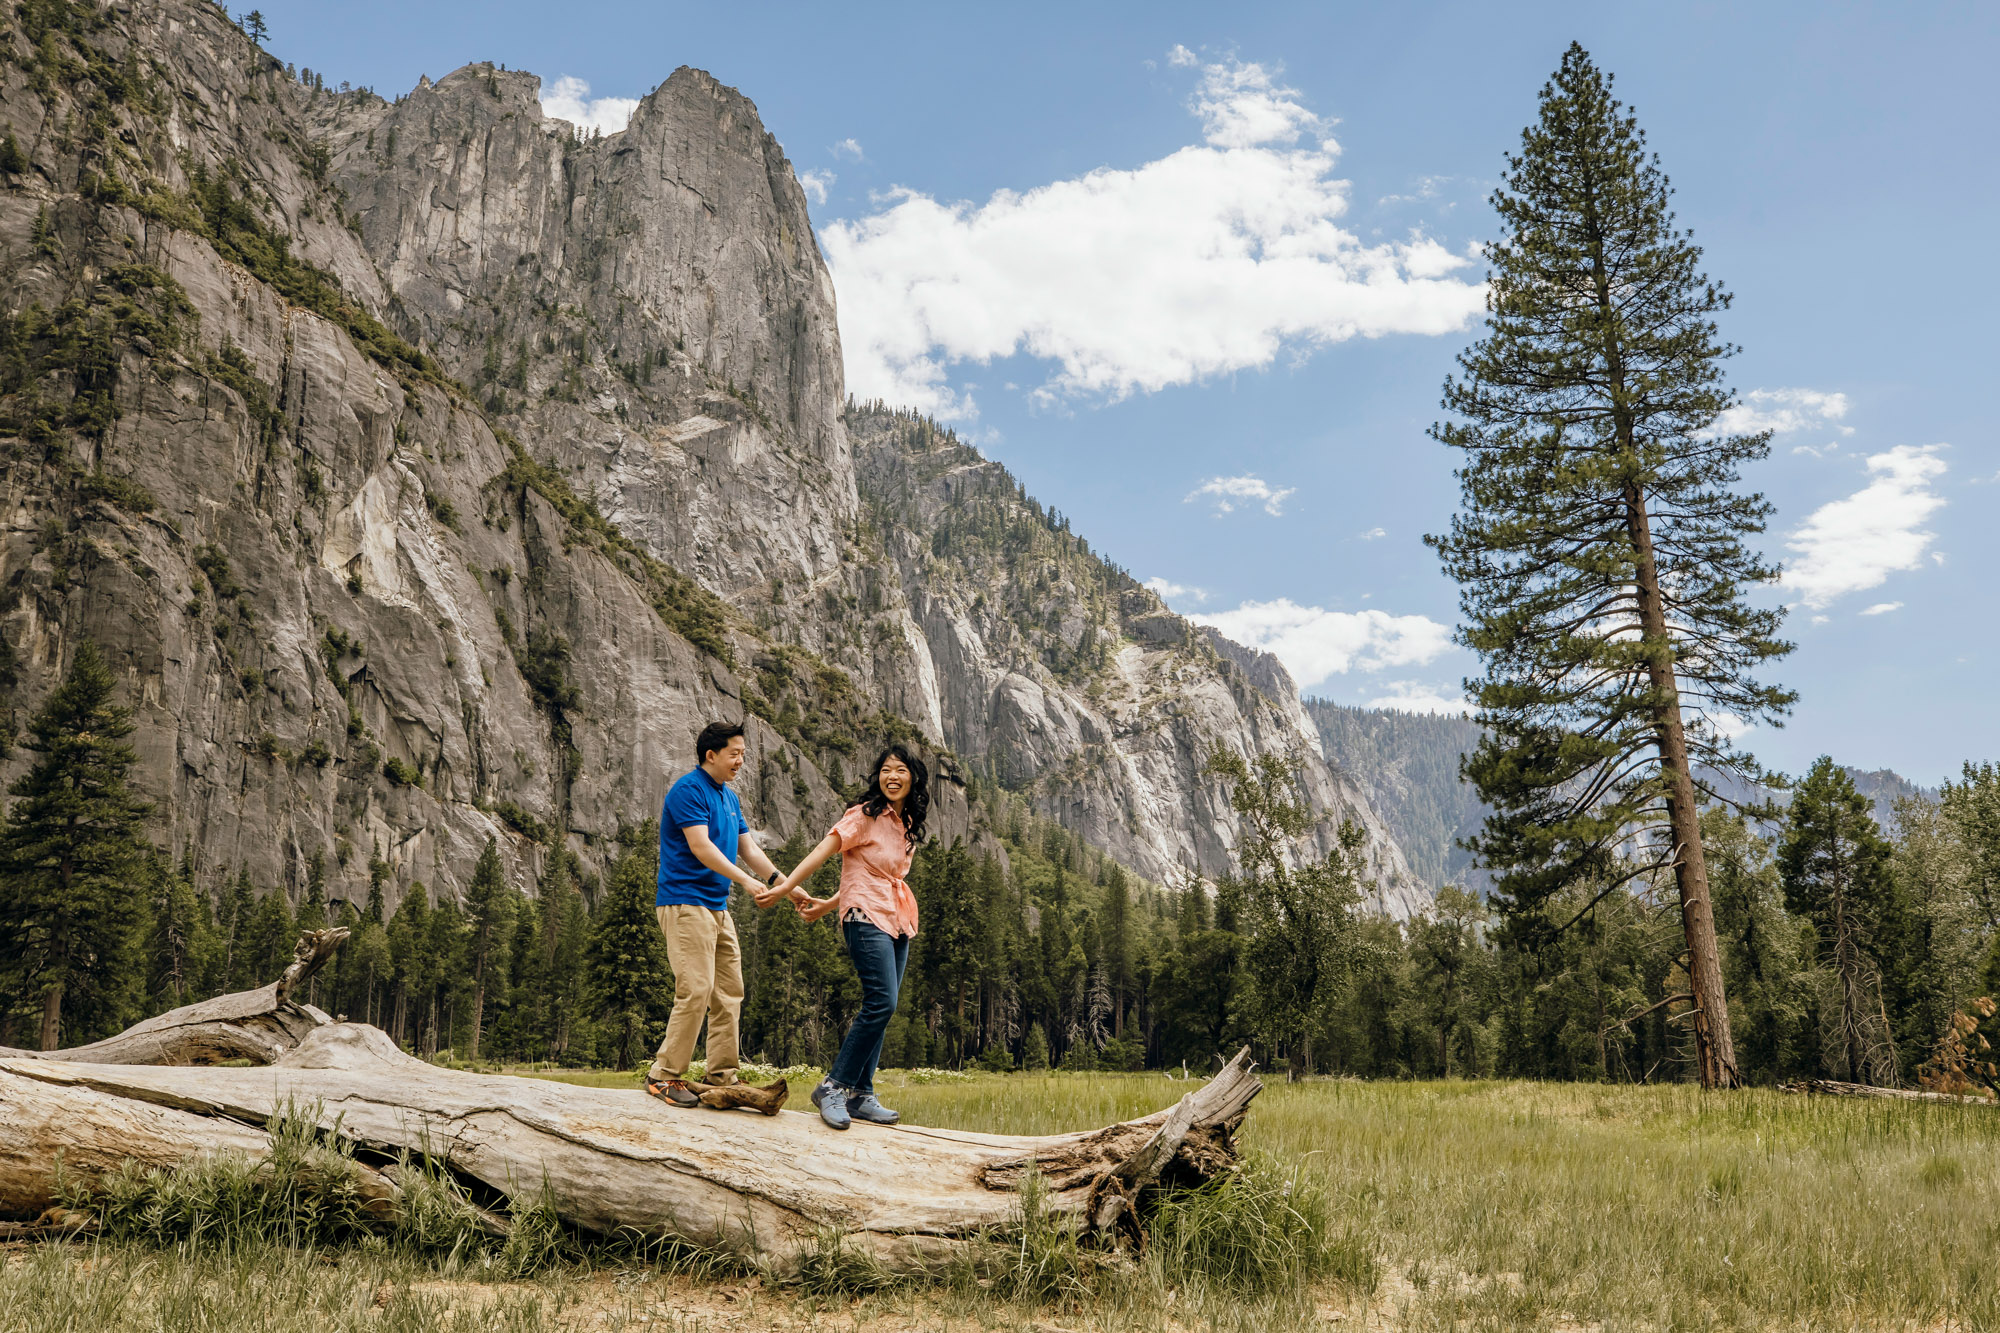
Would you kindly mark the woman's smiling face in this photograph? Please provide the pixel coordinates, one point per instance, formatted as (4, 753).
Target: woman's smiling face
(894, 778)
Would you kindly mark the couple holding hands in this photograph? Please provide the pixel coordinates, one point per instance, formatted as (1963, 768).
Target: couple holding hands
(704, 845)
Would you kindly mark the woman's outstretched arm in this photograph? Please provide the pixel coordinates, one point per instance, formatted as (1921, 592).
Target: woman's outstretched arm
(789, 886)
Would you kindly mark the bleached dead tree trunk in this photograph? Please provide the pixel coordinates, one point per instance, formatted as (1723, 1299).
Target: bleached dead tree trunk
(767, 1187)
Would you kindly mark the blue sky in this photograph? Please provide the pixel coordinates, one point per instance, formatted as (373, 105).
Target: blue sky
(1168, 262)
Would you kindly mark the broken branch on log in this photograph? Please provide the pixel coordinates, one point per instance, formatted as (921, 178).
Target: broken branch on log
(256, 1025)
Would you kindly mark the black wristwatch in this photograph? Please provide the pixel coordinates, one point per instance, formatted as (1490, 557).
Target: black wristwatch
(772, 882)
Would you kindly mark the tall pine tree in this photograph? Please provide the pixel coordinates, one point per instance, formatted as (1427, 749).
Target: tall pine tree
(631, 983)
(1835, 868)
(1601, 547)
(72, 861)
(488, 907)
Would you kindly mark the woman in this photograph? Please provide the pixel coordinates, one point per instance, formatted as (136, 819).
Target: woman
(876, 839)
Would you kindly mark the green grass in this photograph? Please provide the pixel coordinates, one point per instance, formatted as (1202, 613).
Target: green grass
(1507, 1205)
(1403, 1205)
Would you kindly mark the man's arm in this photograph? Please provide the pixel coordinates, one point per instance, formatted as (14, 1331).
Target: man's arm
(747, 850)
(706, 852)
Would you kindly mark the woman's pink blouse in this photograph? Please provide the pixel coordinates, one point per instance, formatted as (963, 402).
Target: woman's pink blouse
(874, 858)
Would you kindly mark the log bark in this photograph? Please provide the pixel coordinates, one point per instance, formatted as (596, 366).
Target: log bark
(770, 1187)
(767, 1187)
(256, 1025)
(1833, 1088)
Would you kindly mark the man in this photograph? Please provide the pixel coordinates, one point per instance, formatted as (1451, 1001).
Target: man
(702, 838)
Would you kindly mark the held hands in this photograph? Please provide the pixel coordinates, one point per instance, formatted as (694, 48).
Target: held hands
(811, 908)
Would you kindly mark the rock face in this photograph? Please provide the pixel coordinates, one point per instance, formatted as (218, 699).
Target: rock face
(431, 474)
(653, 303)
(1068, 679)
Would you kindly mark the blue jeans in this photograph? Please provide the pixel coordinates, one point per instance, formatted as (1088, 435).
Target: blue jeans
(879, 959)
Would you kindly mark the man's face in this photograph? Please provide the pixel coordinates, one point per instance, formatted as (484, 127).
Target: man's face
(723, 765)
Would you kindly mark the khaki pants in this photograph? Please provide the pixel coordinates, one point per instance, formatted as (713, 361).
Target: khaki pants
(708, 983)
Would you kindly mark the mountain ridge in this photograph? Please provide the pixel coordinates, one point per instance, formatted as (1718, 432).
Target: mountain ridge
(430, 473)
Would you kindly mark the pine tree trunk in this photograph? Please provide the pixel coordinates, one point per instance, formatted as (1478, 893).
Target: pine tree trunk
(478, 1018)
(1715, 1053)
(52, 1017)
(1847, 963)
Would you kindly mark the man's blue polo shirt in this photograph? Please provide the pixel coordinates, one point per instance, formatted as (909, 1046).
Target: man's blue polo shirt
(697, 799)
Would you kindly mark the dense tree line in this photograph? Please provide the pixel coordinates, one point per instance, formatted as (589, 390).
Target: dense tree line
(1850, 952)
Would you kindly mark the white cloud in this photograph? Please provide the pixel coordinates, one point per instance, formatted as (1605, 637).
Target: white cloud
(1428, 187)
(816, 183)
(1374, 533)
(1854, 544)
(1315, 644)
(1821, 620)
(1170, 591)
(1240, 107)
(1882, 608)
(1783, 411)
(848, 149)
(1409, 696)
(1215, 258)
(1230, 491)
(568, 98)
(1180, 57)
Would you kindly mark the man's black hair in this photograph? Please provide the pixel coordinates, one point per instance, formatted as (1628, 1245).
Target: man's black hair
(713, 737)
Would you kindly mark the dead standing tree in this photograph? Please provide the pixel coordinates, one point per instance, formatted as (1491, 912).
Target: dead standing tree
(606, 1160)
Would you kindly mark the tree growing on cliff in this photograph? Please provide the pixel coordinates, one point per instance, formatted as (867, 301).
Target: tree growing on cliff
(72, 861)
(1601, 547)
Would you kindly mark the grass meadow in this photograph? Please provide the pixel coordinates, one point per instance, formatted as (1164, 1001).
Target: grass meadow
(1456, 1205)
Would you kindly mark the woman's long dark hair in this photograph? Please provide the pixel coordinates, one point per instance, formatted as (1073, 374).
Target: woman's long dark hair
(916, 804)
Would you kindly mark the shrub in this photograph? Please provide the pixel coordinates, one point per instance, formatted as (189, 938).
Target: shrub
(123, 492)
(400, 773)
(1255, 1231)
(523, 823)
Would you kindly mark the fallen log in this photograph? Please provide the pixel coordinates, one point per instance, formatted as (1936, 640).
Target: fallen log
(256, 1025)
(772, 1188)
(1834, 1088)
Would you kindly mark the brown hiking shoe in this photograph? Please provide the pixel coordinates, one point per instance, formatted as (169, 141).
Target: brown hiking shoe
(769, 1099)
(673, 1091)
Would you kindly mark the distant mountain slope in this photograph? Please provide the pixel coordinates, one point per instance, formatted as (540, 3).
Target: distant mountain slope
(1408, 764)
(1061, 676)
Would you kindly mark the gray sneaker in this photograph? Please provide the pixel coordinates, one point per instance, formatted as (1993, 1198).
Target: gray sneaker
(831, 1099)
(865, 1107)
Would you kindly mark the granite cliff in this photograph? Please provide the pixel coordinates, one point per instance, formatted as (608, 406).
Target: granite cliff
(429, 473)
